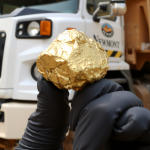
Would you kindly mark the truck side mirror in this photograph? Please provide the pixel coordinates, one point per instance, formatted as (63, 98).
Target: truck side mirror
(113, 7)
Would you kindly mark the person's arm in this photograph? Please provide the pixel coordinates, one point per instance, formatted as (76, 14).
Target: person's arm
(95, 110)
(47, 126)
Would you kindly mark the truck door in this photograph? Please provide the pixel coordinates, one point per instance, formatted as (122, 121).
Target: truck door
(108, 32)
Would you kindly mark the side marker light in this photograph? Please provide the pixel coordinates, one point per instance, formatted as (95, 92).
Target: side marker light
(70, 28)
(45, 27)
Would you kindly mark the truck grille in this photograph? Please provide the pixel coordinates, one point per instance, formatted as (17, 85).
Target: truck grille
(2, 45)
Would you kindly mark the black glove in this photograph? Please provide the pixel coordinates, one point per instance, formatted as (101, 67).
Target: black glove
(48, 125)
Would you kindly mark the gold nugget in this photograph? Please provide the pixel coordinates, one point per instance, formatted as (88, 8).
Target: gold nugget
(73, 60)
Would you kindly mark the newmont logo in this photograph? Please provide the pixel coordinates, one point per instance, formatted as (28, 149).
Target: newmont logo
(107, 30)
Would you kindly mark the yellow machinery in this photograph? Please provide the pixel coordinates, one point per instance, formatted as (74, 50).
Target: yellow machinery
(137, 34)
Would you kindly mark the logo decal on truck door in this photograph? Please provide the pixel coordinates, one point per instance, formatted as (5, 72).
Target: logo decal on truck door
(107, 30)
(107, 43)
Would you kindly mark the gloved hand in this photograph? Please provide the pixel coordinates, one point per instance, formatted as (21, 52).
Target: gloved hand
(47, 126)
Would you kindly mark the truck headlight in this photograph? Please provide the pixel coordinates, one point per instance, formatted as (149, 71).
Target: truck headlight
(33, 28)
(34, 73)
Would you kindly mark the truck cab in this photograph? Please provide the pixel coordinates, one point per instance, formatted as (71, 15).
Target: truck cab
(21, 42)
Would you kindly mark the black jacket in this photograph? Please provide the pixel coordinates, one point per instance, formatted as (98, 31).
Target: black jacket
(100, 112)
(103, 111)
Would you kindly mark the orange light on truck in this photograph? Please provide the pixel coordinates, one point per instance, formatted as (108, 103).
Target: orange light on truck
(45, 27)
(70, 28)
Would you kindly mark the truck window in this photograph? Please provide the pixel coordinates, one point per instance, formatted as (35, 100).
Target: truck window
(92, 5)
(64, 6)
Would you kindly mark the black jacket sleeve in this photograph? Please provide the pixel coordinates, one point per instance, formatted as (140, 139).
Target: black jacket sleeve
(89, 94)
(47, 126)
(97, 109)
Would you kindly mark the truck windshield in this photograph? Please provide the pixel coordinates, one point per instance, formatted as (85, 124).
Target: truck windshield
(64, 6)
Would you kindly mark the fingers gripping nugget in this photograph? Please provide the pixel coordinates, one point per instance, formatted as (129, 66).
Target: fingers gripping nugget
(73, 60)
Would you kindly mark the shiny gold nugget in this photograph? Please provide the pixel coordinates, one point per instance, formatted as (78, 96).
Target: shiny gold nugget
(73, 60)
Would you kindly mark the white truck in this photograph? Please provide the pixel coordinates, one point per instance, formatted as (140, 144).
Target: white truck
(21, 41)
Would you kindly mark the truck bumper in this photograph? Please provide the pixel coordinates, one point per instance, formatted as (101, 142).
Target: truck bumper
(14, 117)
(6, 93)
(122, 65)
